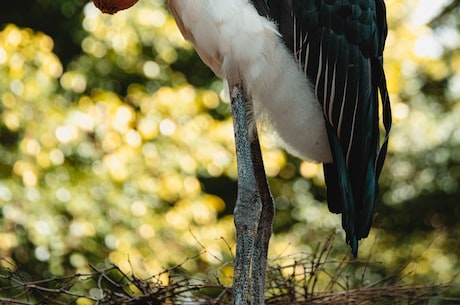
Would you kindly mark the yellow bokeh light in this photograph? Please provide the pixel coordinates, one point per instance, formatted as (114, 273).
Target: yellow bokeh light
(138, 208)
(111, 141)
(74, 81)
(124, 115)
(176, 220)
(146, 231)
(66, 133)
(192, 186)
(29, 178)
(148, 128)
(116, 167)
(309, 170)
(13, 36)
(11, 120)
(52, 67)
(9, 240)
(187, 94)
(133, 138)
(3, 56)
(45, 42)
(149, 17)
(84, 301)
(211, 99)
(151, 69)
(167, 127)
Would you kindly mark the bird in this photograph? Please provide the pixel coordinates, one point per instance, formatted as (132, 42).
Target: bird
(312, 70)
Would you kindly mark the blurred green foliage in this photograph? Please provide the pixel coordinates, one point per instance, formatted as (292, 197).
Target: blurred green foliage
(117, 145)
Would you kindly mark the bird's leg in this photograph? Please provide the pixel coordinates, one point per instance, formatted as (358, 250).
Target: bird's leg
(254, 207)
(248, 205)
(264, 230)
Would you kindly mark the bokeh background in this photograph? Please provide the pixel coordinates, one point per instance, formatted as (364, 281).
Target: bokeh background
(116, 146)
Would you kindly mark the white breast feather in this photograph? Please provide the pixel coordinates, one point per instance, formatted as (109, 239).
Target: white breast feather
(240, 45)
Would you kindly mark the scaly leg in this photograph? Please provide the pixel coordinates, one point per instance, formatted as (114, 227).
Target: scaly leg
(254, 207)
(248, 204)
(264, 230)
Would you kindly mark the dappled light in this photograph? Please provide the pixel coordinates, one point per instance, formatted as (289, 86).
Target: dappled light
(125, 154)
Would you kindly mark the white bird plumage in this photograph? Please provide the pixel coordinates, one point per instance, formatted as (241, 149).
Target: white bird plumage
(241, 46)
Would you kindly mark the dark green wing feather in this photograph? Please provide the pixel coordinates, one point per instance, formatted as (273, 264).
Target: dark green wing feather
(339, 44)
